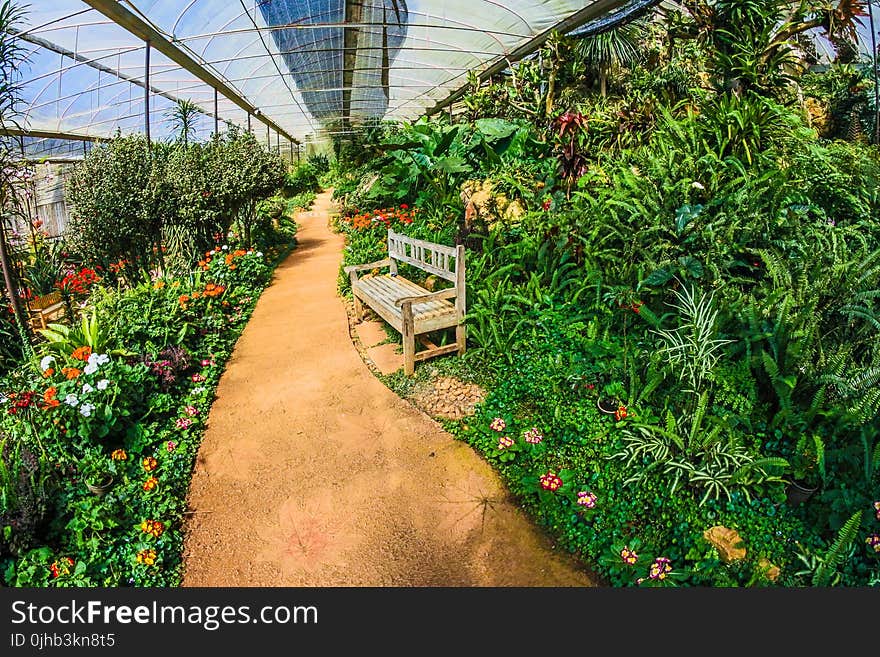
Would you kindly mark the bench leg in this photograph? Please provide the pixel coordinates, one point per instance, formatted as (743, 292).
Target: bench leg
(358, 308)
(409, 340)
(461, 338)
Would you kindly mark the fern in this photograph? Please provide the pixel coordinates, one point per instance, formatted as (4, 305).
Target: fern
(837, 554)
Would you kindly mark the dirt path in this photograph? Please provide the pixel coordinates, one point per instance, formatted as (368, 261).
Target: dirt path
(313, 473)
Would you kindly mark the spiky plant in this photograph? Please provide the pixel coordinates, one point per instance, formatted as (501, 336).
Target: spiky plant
(617, 48)
(183, 117)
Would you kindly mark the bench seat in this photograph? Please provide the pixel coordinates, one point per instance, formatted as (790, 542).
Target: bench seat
(383, 292)
(406, 306)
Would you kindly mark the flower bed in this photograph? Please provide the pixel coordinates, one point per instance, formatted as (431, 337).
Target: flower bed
(123, 399)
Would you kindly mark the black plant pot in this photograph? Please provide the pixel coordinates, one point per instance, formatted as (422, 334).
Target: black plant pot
(798, 492)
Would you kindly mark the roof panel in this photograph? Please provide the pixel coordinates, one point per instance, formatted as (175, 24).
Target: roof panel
(306, 65)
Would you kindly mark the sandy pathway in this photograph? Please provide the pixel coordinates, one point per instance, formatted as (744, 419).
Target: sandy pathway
(312, 473)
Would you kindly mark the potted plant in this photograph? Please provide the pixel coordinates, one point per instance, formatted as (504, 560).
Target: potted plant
(808, 469)
(98, 472)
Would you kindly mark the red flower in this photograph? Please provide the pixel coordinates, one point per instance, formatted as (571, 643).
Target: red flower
(551, 481)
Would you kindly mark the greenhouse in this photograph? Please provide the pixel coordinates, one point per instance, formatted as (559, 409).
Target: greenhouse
(375, 293)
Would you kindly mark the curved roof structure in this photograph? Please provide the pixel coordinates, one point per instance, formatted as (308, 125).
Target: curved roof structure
(295, 69)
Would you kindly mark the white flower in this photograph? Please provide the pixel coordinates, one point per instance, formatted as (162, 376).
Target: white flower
(71, 400)
(3, 399)
(99, 359)
(102, 384)
(46, 362)
(86, 410)
(197, 391)
(697, 185)
(87, 388)
(91, 368)
(259, 254)
(225, 248)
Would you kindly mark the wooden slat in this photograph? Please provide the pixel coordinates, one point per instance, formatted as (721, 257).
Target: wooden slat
(439, 351)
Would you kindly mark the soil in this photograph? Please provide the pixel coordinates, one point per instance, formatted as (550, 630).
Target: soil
(313, 473)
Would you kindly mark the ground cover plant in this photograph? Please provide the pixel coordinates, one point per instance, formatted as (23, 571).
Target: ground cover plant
(673, 274)
(101, 414)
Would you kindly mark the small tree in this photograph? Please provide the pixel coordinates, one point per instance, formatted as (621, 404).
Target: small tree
(119, 202)
(183, 117)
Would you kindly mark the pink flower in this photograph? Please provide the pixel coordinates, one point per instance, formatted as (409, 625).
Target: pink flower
(533, 436)
(171, 445)
(197, 378)
(629, 556)
(504, 442)
(207, 362)
(183, 423)
(587, 499)
(660, 568)
(498, 424)
(192, 411)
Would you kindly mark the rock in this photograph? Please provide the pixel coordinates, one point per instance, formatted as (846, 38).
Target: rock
(727, 542)
(770, 571)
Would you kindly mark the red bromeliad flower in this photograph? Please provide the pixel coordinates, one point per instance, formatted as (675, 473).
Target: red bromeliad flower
(78, 283)
(620, 413)
(551, 481)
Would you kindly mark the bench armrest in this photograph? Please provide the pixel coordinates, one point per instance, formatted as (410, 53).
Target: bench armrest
(370, 265)
(433, 296)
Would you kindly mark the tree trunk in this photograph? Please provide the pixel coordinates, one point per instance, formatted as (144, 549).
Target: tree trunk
(10, 288)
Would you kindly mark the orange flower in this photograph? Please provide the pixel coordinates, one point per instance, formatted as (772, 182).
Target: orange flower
(184, 298)
(49, 372)
(82, 353)
(70, 372)
(159, 285)
(202, 264)
(154, 527)
(151, 483)
(147, 557)
(149, 463)
(49, 400)
(232, 267)
(196, 295)
(119, 455)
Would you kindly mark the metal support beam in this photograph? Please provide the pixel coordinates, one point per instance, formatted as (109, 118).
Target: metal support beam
(117, 13)
(579, 18)
(268, 137)
(147, 91)
(216, 114)
(249, 122)
(93, 63)
(278, 143)
(46, 134)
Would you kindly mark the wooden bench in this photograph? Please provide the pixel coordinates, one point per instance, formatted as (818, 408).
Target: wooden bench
(47, 307)
(410, 309)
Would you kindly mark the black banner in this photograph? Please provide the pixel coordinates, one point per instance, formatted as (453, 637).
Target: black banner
(425, 620)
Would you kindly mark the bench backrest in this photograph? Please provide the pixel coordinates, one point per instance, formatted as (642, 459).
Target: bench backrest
(438, 259)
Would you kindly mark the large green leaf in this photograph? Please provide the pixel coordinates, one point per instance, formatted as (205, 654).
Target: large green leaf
(493, 129)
